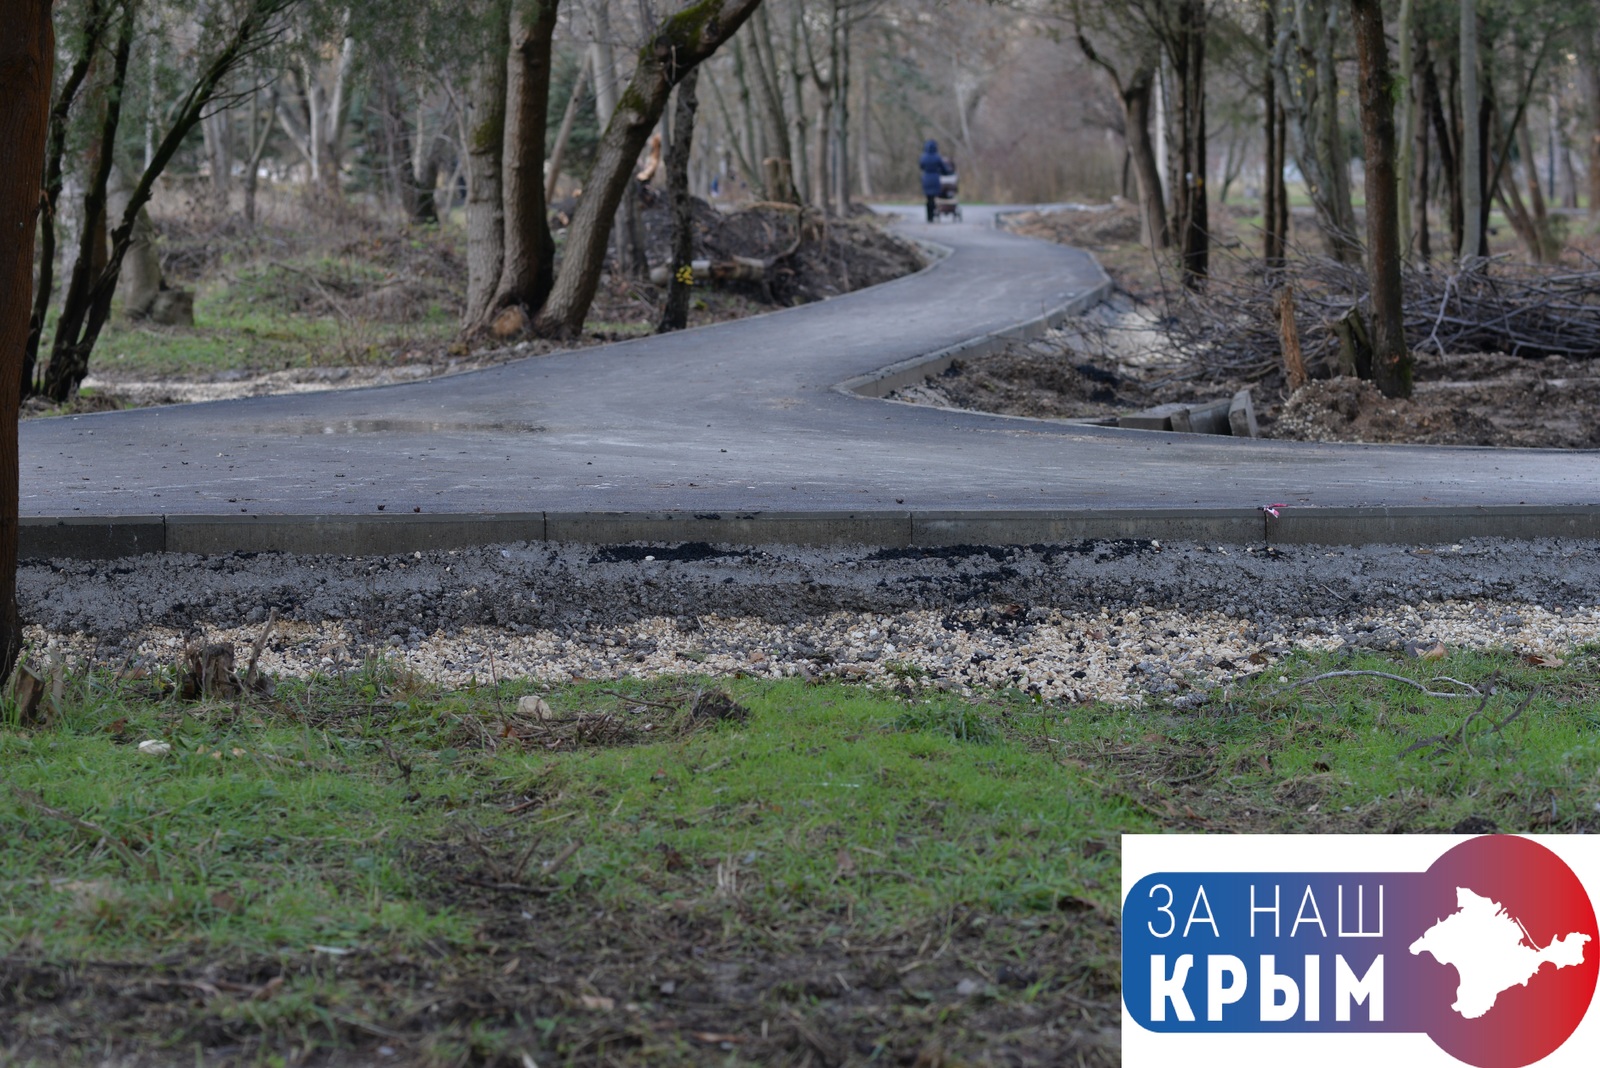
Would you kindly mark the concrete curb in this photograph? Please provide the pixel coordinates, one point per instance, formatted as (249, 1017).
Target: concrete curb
(112, 537)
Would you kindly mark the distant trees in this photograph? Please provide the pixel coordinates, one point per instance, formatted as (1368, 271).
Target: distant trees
(227, 36)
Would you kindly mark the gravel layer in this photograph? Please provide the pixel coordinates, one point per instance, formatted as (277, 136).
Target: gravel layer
(1117, 621)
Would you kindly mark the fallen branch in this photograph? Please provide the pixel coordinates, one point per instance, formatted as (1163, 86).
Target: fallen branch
(1471, 691)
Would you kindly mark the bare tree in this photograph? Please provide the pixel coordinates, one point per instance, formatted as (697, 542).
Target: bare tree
(1391, 362)
(528, 266)
(675, 310)
(486, 123)
(87, 304)
(678, 45)
(1473, 240)
(1135, 90)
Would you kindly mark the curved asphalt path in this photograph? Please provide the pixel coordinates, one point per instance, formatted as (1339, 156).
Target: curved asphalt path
(740, 432)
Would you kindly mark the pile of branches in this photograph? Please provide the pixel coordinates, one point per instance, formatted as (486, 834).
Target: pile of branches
(1231, 329)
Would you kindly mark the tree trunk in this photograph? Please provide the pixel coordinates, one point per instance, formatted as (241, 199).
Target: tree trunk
(625, 229)
(841, 118)
(779, 183)
(1446, 137)
(1546, 248)
(486, 123)
(96, 18)
(1472, 140)
(680, 44)
(27, 62)
(1304, 65)
(1421, 247)
(1193, 215)
(675, 312)
(216, 131)
(258, 148)
(69, 360)
(1137, 95)
(558, 151)
(529, 265)
(1408, 111)
(799, 142)
(83, 317)
(1391, 363)
(1147, 172)
(1274, 239)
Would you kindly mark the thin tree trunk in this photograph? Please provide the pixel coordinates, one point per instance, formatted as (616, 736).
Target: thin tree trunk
(79, 326)
(1194, 218)
(527, 271)
(1391, 362)
(258, 148)
(1421, 248)
(1408, 89)
(217, 133)
(1472, 142)
(780, 182)
(797, 87)
(1273, 239)
(66, 359)
(486, 123)
(1136, 95)
(1545, 250)
(27, 63)
(96, 19)
(558, 151)
(675, 311)
(1446, 136)
(1146, 170)
(681, 43)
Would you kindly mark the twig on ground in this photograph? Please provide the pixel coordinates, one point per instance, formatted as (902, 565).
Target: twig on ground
(255, 649)
(1471, 691)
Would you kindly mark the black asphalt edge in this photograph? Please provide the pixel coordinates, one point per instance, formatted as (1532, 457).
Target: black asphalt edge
(912, 371)
(111, 537)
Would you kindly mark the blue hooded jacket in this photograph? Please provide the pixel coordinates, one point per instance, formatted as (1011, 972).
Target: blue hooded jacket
(933, 165)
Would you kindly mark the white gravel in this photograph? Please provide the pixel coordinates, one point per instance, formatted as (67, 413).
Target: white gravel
(1123, 655)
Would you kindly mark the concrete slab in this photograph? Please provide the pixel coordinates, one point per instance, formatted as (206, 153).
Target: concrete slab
(90, 537)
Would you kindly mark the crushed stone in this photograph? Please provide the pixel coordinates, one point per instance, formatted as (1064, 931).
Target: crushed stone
(1119, 621)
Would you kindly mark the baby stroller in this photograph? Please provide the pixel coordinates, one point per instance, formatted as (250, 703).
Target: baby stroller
(947, 205)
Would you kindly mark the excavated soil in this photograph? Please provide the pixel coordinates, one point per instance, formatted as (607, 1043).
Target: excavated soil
(1116, 361)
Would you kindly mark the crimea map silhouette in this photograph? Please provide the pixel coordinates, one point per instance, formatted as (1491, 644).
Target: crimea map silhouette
(1491, 951)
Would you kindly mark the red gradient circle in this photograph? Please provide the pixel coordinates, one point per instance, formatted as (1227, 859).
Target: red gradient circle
(1533, 884)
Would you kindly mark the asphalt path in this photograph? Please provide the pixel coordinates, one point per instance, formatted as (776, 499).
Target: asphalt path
(746, 417)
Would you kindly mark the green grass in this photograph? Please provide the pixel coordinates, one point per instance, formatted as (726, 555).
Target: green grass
(379, 847)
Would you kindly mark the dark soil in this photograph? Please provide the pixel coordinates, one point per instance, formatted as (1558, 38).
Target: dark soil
(812, 257)
(1459, 399)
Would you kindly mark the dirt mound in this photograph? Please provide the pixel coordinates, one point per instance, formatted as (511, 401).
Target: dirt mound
(1488, 399)
(1034, 379)
(1106, 224)
(811, 258)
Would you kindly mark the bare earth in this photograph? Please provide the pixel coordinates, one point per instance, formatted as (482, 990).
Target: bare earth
(1114, 364)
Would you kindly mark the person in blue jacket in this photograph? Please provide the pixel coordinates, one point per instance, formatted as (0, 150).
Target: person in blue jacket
(933, 166)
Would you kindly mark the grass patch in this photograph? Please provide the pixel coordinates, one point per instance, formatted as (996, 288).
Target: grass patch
(687, 871)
